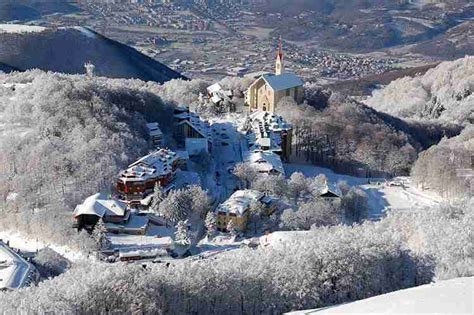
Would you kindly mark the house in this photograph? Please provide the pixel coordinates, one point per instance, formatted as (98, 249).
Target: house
(270, 132)
(331, 192)
(266, 92)
(192, 132)
(217, 94)
(136, 225)
(155, 134)
(140, 178)
(236, 208)
(265, 162)
(15, 271)
(100, 206)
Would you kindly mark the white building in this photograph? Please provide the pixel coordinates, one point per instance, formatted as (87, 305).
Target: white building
(15, 271)
(100, 206)
(265, 162)
(193, 132)
(218, 95)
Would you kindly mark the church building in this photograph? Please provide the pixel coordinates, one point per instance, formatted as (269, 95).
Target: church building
(265, 93)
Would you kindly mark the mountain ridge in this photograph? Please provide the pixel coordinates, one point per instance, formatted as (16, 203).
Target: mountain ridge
(66, 50)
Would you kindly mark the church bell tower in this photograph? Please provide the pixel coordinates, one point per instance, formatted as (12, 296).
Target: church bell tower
(279, 60)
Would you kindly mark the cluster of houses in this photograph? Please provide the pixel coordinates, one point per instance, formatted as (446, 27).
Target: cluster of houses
(124, 210)
(269, 142)
(15, 271)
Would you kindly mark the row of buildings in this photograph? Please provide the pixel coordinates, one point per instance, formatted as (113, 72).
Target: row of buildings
(269, 140)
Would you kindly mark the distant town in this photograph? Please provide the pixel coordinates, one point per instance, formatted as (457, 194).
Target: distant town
(204, 40)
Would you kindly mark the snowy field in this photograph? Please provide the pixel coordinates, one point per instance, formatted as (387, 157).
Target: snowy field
(453, 296)
(382, 196)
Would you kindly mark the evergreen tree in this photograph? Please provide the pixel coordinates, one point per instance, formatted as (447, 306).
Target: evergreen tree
(181, 236)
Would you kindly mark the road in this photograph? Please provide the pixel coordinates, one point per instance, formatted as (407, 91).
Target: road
(227, 153)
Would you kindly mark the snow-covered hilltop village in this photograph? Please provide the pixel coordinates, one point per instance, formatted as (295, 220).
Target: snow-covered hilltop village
(192, 194)
(261, 194)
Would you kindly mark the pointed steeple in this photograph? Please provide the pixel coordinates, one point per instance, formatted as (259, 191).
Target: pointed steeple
(279, 59)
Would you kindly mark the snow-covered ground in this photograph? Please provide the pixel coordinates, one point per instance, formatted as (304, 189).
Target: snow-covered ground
(453, 296)
(17, 28)
(31, 245)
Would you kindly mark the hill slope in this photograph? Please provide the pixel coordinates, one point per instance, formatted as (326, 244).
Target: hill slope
(444, 93)
(67, 49)
(6, 68)
(23, 10)
(445, 297)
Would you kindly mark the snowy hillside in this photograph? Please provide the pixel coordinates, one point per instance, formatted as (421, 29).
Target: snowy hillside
(445, 93)
(66, 49)
(445, 297)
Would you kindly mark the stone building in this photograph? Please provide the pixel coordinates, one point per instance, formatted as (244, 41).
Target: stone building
(267, 91)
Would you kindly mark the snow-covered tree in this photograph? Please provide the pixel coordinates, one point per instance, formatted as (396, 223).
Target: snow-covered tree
(444, 93)
(175, 207)
(355, 205)
(90, 69)
(199, 200)
(99, 234)
(272, 185)
(181, 236)
(210, 223)
(231, 228)
(314, 213)
(246, 173)
(257, 212)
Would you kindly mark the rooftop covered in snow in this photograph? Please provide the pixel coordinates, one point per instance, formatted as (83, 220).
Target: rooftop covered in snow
(101, 205)
(154, 165)
(283, 81)
(239, 202)
(15, 271)
(265, 162)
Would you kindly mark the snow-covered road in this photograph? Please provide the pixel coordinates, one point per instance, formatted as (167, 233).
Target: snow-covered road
(227, 153)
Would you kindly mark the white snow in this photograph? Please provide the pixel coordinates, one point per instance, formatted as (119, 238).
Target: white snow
(382, 196)
(32, 245)
(18, 28)
(12, 196)
(453, 296)
(85, 31)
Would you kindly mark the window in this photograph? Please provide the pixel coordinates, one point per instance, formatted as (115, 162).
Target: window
(288, 92)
